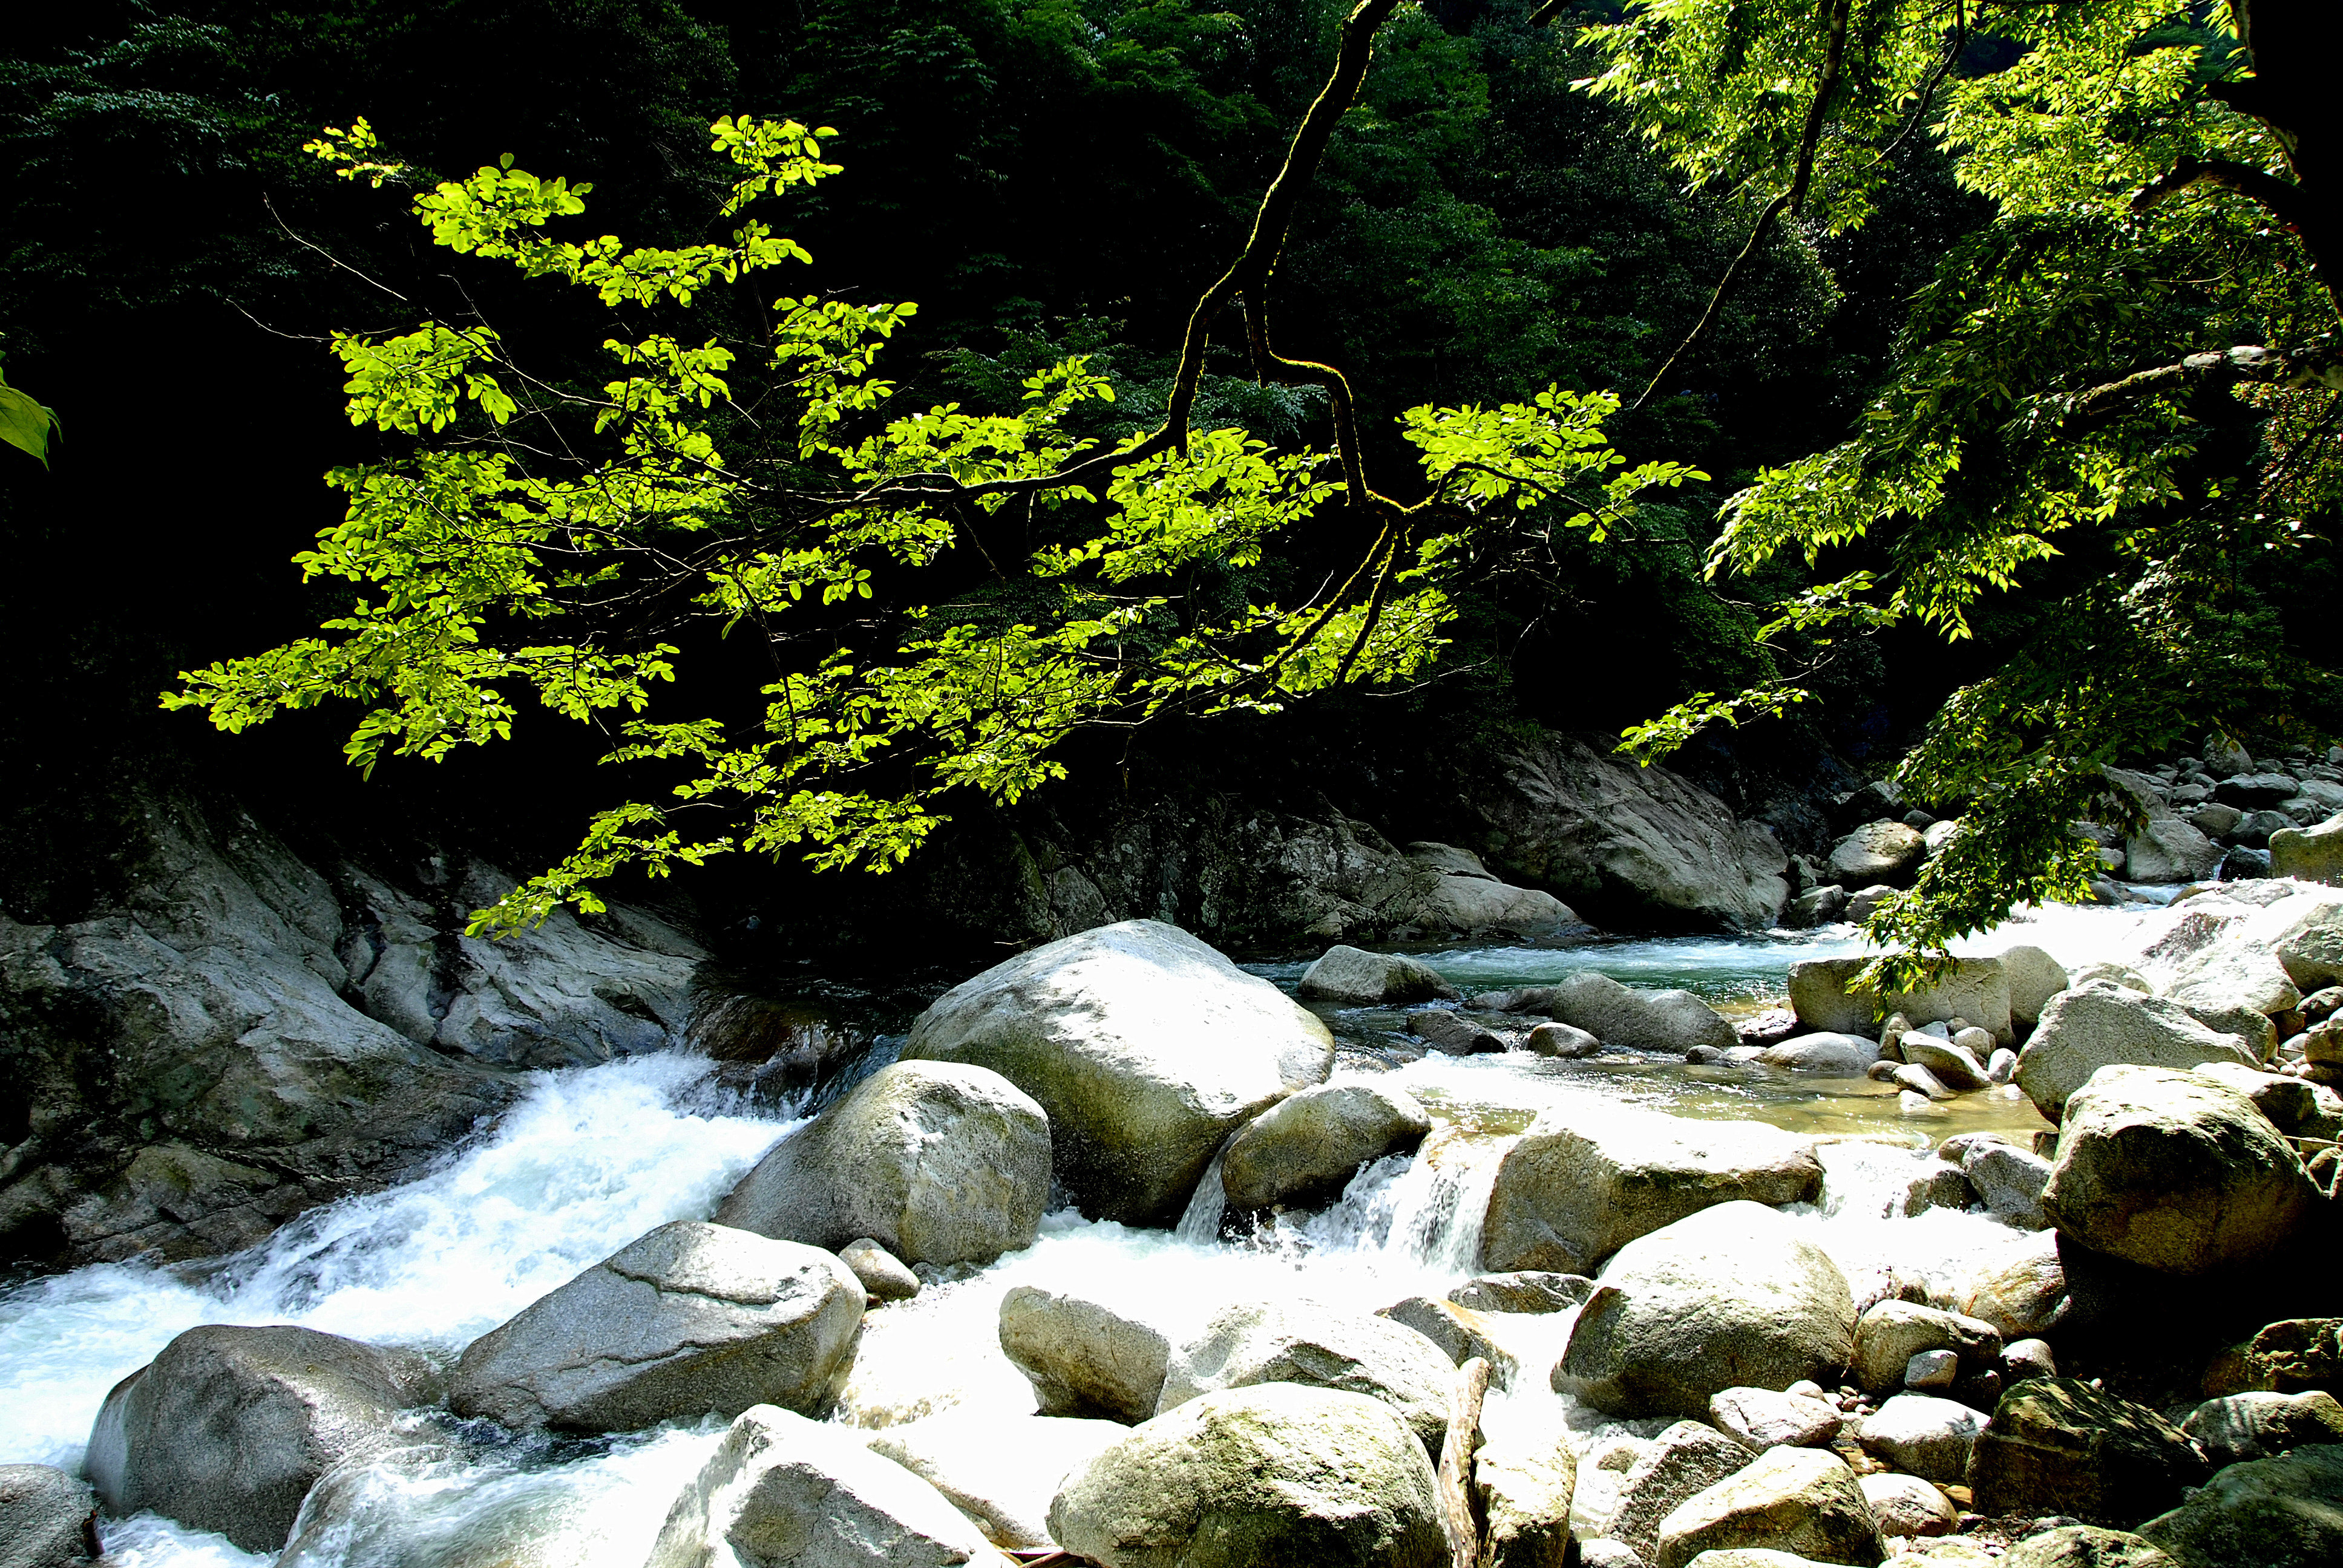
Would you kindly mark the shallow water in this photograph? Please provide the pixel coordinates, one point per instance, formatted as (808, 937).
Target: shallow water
(591, 1158)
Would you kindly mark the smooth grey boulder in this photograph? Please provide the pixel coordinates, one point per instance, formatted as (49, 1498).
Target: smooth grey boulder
(2281, 1513)
(1803, 1500)
(781, 1489)
(1353, 977)
(1276, 1473)
(2310, 947)
(1735, 1296)
(1953, 1066)
(1452, 1034)
(688, 1319)
(883, 1275)
(1685, 1459)
(1865, 901)
(1145, 1048)
(1524, 1290)
(1838, 1055)
(2169, 850)
(1523, 1482)
(939, 1162)
(1568, 1194)
(1561, 1040)
(1084, 1357)
(1881, 851)
(48, 1519)
(2236, 988)
(1621, 1015)
(2035, 976)
(1891, 1332)
(2057, 1446)
(1465, 905)
(2263, 1423)
(1815, 907)
(2085, 1546)
(1250, 1342)
(2309, 854)
(1460, 1333)
(1305, 1148)
(1906, 1505)
(2020, 1289)
(2287, 1103)
(2099, 1024)
(1977, 990)
(1762, 1418)
(229, 1427)
(2174, 1172)
(2010, 1180)
(1922, 1435)
(1002, 1471)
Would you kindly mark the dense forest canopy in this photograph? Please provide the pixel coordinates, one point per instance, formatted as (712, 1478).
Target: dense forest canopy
(1905, 309)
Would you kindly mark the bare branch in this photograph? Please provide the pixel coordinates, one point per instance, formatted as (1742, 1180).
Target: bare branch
(2318, 365)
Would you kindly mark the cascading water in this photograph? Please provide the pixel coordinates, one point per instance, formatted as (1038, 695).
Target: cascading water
(592, 1158)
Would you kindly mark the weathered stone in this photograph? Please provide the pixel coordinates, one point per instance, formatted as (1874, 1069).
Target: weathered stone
(1303, 1149)
(1735, 1296)
(1937, 1187)
(2261, 1423)
(1249, 1343)
(1891, 1332)
(1838, 1055)
(1684, 1461)
(1524, 1290)
(2010, 1180)
(2281, 1513)
(939, 1162)
(228, 1428)
(48, 1519)
(2287, 1357)
(1452, 1034)
(783, 1489)
(1917, 1079)
(2310, 947)
(1470, 905)
(1620, 1015)
(2057, 1446)
(1928, 1436)
(1523, 1482)
(2033, 977)
(1864, 902)
(2249, 790)
(1145, 1048)
(2098, 1025)
(688, 1319)
(1815, 907)
(884, 1275)
(1906, 1505)
(2236, 988)
(1951, 1064)
(1351, 977)
(1460, 1333)
(1002, 1471)
(2085, 1546)
(2167, 849)
(1551, 1038)
(1276, 1473)
(2173, 1171)
(1882, 852)
(1760, 1418)
(1568, 1195)
(1977, 990)
(1801, 1500)
(1931, 1372)
(2309, 854)
(1084, 1357)
(2020, 1290)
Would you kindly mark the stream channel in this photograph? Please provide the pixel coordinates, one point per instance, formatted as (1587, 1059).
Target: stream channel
(593, 1157)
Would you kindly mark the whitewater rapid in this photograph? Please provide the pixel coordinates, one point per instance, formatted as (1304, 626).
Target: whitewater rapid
(591, 1158)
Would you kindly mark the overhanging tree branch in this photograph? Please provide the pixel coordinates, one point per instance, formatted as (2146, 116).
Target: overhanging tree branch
(2318, 365)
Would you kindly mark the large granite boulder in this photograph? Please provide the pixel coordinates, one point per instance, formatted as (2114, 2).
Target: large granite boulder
(1522, 1484)
(2235, 988)
(2085, 1546)
(1922, 1435)
(228, 1428)
(1683, 1460)
(1305, 1148)
(2100, 1024)
(2310, 945)
(2019, 1287)
(49, 1519)
(1146, 1049)
(781, 1489)
(685, 1320)
(1002, 1471)
(1250, 1342)
(2264, 1423)
(2309, 854)
(1803, 1500)
(2281, 1513)
(1466, 905)
(1280, 1473)
(2174, 1172)
(2057, 1446)
(1822, 994)
(1734, 1296)
(1824, 1053)
(2167, 849)
(939, 1163)
(1353, 977)
(1568, 1194)
(1877, 852)
(2289, 1356)
(2035, 976)
(1084, 1357)
(1620, 1015)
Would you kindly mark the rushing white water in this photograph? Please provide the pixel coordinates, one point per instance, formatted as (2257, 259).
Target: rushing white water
(592, 1158)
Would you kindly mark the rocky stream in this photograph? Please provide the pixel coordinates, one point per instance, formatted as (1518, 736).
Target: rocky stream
(1658, 1251)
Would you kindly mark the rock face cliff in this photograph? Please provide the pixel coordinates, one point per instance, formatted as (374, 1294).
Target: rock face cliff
(250, 1032)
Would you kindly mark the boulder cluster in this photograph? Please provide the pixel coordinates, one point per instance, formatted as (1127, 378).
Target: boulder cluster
(1759, 1404)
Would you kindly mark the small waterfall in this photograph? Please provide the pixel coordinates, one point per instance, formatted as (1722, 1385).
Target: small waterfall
(1424, 1211)
(1199, 1222)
